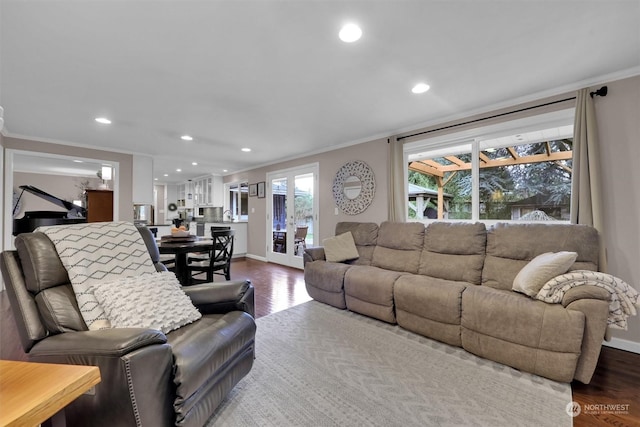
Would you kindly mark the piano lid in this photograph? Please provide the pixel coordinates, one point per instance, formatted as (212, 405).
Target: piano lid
(73, 209)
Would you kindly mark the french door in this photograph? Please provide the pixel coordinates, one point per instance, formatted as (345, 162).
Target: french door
(292, 217)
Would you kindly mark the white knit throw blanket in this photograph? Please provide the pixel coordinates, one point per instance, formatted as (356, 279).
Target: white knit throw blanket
(98, 252)
(623, 300)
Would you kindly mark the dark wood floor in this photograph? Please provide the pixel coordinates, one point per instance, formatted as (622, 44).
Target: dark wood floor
(616, 380)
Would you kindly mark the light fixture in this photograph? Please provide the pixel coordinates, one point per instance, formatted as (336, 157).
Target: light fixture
(350, 33)
(186, 138)
(77, 161)
(246, 150)
(420, 88)
(225, 170)
(166, 174)
(194, 163)
(103, 120)
(178, 170)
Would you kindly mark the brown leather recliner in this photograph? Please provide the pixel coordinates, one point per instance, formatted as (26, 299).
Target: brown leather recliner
(148, 378)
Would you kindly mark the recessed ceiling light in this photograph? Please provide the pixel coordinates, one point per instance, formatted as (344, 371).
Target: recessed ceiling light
(194, 163)
(420, 88)
(246, 150)
(225, 170)
(186, 138)
(155, 179)
(78, 161)
(166, 174)
(350, 33)
(103, 120)
(178, 170)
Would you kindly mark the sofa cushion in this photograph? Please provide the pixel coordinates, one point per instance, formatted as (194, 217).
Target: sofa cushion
(541, 269)
(369, 291)
(518, 331)
(205, 347)
(340, 248)
(365, 236)
(454, 251)
(511, 246)
(430, 306)
(59, 310)
(325, 282)
(399, 246)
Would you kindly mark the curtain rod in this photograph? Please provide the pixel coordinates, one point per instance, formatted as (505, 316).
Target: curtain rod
(600, 92)
(486, 118)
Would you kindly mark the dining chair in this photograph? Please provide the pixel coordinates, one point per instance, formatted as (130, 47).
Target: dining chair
(280, 241)
(219, 261)
(300, 239)
(204, 256)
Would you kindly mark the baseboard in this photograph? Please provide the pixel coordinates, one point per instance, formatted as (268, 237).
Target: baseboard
(620, 344)
(256, 257)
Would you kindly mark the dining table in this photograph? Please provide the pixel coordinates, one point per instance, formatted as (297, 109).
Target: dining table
(180, 248)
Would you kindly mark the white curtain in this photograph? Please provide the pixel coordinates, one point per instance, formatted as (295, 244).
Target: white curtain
(586, 192)
(397, 185)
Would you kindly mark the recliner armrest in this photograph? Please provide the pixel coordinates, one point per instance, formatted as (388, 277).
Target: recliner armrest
(584, 292)
(107, 342)
(315, 253)
(222, 297)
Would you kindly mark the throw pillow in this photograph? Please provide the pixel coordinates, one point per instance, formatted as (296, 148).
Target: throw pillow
(340, 248)
(541, 269)
(154, 301)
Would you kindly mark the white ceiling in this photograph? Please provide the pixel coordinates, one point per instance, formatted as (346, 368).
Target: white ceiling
(273, 75)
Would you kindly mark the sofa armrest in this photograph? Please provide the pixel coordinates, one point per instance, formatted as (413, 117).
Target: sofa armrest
(107, 342)
(132, 361)
(584, 292)
(222, 297)
(314, 254)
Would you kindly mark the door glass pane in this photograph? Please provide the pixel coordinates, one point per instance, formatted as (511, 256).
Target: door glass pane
(303, 202)
(279, 214)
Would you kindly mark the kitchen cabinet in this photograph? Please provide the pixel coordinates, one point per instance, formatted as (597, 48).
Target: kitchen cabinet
(207, 191)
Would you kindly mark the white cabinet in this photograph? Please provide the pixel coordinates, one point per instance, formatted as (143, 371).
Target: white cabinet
(208, 191)
(240, 241)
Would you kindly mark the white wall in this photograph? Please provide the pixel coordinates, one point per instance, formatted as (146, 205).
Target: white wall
(618, 116)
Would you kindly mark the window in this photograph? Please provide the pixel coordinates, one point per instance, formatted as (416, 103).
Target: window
(238, 200)
(494, 176)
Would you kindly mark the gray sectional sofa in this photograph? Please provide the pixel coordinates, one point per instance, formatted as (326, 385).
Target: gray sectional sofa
(452, 282)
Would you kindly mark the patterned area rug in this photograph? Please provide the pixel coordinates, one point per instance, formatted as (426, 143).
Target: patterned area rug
(320, 366)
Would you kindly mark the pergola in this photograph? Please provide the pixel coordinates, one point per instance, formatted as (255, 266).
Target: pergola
(445, 168)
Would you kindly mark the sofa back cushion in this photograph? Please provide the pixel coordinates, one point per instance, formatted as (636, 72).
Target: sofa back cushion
(454, 251)
(48, 281)
(365, 236)
(511, 246)
(399, 246)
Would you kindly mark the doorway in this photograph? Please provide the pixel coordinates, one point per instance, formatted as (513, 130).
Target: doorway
(292, 217)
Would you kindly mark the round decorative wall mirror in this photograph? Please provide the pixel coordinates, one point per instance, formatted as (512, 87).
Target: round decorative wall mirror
(354, 187)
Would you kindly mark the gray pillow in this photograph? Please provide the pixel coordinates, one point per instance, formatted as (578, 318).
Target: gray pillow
(340, 248)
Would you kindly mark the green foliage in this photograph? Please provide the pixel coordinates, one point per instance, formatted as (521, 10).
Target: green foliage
(500, 186)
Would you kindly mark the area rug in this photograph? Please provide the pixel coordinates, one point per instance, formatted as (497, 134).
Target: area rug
(319, 366)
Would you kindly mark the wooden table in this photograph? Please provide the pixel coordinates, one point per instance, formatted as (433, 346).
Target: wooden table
(180, 249)
(31, 393)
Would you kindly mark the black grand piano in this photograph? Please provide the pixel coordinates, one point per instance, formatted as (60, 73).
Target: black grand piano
(73, 214)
